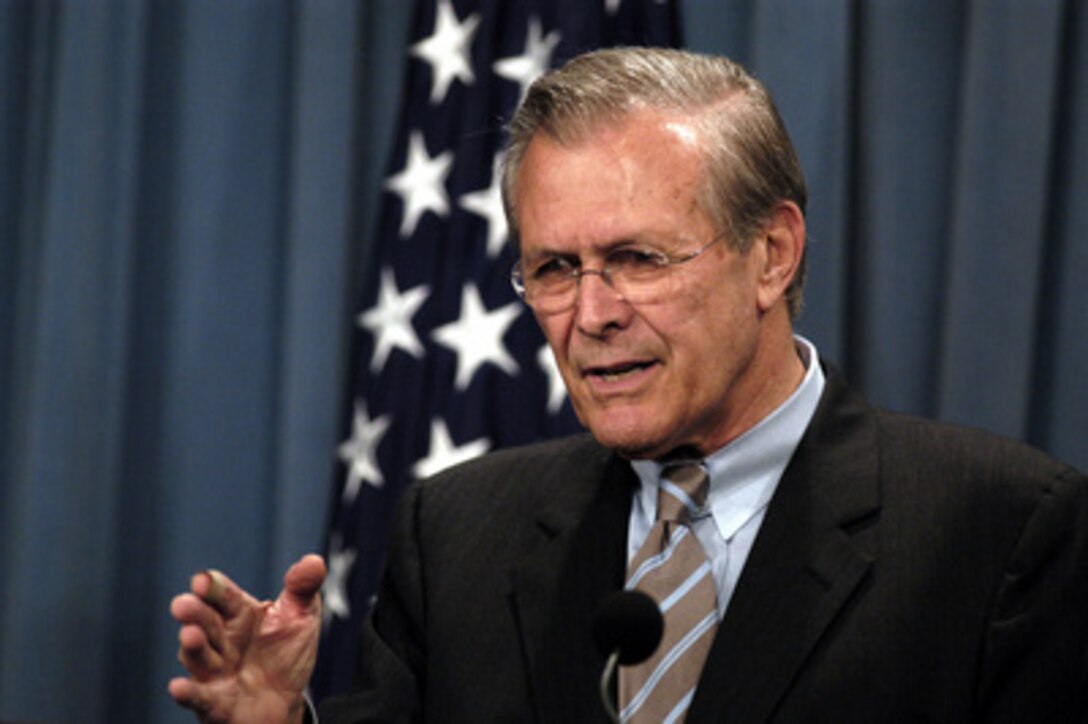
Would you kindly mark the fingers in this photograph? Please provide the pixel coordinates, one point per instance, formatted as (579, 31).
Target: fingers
(215, 606)
(200, 638)
(216, 587)
(193, 696)
(190, 609)
(219, 592)
(303, 580)
(185, 692)
(221, 624)
(196, 654)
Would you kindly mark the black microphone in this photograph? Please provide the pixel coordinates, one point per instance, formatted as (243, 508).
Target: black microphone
(627, 630)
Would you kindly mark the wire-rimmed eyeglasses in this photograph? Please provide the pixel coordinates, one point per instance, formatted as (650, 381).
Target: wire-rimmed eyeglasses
(637, 274)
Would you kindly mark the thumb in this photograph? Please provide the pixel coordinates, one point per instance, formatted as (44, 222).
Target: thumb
(303, 580)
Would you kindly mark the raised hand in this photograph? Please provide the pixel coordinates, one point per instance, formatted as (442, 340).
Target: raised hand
(248, 660)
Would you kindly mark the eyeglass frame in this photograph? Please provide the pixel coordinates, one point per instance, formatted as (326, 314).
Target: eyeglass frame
(666, 263)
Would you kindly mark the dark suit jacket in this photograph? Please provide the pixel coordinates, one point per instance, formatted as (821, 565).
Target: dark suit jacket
(905, 571)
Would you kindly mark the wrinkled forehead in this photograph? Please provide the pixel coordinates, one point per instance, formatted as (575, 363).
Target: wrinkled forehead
(640, 180)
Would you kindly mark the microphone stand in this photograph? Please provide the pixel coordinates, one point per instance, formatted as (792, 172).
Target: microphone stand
(606, 679)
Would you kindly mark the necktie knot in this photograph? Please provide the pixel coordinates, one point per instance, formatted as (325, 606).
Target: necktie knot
(682, 492)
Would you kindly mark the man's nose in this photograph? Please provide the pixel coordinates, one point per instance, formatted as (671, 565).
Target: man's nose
(598, 306)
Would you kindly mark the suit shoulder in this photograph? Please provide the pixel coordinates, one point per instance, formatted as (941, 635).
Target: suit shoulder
(549, 484)
(951, 452)
(570, 450)
(549, 465)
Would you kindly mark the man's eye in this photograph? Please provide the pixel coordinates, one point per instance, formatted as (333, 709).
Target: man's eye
(636, 260)
(552, 270)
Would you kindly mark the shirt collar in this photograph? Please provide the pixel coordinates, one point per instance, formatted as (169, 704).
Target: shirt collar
(745, 473)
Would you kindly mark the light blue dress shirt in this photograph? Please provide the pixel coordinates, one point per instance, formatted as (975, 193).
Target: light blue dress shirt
(743, 477)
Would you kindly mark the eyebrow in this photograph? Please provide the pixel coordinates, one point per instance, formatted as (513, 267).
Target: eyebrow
(604, 249)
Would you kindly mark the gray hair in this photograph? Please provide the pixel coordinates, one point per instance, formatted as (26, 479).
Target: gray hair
(751, 165)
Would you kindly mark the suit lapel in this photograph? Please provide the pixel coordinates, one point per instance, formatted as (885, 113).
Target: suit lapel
(802, 569)
(558, 589)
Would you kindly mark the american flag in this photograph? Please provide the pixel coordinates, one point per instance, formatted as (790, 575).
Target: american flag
(447, 362)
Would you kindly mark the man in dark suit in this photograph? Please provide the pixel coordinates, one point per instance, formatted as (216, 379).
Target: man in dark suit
(846, 564)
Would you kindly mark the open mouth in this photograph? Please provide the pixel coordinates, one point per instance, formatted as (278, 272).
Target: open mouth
(618, 372)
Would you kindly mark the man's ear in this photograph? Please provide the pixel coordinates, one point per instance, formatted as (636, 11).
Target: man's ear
(784, 239)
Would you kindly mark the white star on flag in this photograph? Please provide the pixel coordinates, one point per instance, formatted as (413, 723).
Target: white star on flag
(444, 453)
(476, 336)
(447, 50)
(421, 184)
(334, 592)
(359, 453)
(537, 58)
(557, 391)
(390, 320)
(487, 203)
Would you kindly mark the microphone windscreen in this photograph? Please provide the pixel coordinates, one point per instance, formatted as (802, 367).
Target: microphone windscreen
(629, 622)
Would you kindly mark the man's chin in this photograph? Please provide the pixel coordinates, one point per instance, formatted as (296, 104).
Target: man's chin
(631, 443)
(624, 426)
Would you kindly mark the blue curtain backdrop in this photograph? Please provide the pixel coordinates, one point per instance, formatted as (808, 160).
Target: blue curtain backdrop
(186, 190)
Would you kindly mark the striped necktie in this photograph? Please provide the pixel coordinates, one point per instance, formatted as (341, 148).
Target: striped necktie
(673, 569)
